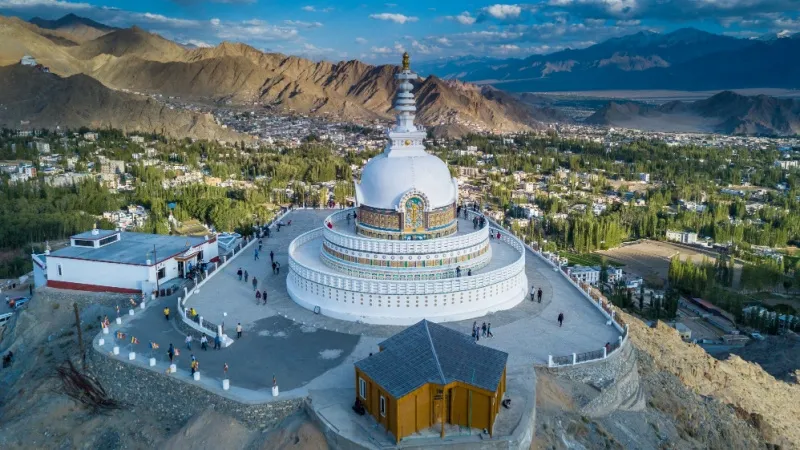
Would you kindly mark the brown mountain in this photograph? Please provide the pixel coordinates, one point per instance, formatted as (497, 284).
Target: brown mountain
(137, 60)
(34, 99)
(726, 112)
(79, 29)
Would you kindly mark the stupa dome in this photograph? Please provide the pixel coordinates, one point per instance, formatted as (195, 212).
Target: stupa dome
(385, 180)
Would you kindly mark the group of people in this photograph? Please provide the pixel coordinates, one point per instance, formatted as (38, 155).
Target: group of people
(536, 294)
(484, 330)
(458, 272)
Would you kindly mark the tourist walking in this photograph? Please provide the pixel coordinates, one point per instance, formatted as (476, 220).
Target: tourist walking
(469, 272)
(274, 265)
(260, 243)
(255, 283)
(271, 256)
(239, 330)
(458, 271)
(239, 272)
(539, 295)
(498, 235)
(189, 341)
(483, 329)
(166, 312)
(195, 365)
(560, 319)
(489, 330)
(264, 296)
(255, 254)
(246, 276)
(258, 297)
(533, 293)
(171, 353)
(217, 342)
(277, 268)
(204, 342)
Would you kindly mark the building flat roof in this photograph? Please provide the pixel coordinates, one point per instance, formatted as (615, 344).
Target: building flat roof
(132, 248)
(100, 234)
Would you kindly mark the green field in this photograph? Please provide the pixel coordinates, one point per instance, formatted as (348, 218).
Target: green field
(588, 259)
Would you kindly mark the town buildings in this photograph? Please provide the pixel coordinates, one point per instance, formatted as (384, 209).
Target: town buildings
(684, 237)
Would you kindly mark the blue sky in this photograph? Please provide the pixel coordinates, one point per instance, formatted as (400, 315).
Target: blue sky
(379, 32)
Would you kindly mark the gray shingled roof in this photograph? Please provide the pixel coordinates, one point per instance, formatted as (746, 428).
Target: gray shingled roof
(430, 353)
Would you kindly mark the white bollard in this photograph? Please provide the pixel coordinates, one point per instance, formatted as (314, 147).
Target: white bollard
(173, 368)
(132, 356)
(275, 391)
(152, 296)
(130, 312)
(226, 384)
(141, 305)
(101, 341)
(197, 376)
(105, 330)
(119, 320)
(152, 362)
(115, 350)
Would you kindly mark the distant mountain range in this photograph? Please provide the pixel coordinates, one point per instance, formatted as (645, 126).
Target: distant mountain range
(233, 73)
(685, 59)
(30, 98)
(726, 112)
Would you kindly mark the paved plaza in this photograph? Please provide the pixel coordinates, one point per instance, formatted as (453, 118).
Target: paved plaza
(313, 355)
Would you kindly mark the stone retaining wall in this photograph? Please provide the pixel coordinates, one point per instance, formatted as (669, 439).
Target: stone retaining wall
(171, 399)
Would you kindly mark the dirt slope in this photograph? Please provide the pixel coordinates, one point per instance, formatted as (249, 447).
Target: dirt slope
(771, 405)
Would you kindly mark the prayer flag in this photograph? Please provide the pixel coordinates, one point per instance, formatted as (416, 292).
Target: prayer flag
(154, 346)
(120, 335)
(134, 340)
(177, 352)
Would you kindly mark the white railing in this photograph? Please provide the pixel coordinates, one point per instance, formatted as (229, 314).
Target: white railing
(384, 287)
(429, 246)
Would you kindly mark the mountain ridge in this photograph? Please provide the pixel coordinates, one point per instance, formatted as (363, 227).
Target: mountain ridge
(726, 112)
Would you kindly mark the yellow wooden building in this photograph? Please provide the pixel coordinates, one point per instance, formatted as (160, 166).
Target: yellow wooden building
(428, 375)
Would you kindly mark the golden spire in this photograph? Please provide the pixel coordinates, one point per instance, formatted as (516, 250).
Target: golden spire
(405, 61)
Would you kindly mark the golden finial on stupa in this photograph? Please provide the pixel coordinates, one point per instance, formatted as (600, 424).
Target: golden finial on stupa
(406, 65)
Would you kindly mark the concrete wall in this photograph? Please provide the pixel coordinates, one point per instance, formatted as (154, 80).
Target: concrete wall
(97, 273)
(171, 399)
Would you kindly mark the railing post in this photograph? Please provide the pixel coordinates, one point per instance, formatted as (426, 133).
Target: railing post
(549, 360)
(605, 352)
(574, 359)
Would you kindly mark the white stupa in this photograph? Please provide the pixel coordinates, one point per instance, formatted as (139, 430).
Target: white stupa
(402, 254)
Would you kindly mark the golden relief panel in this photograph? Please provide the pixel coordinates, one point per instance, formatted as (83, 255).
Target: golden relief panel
(439, 219)
(379, 220)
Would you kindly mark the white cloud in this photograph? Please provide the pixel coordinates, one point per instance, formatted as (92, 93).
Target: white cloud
(301, 24)
(464, 18)
(260, 32)
(396, 18)
(30, 4)
(164, 20)
(314, 9)
(198, 43)
(503, 12)
(215, 22)
(443, 41)
(360, 40)
(382, 50)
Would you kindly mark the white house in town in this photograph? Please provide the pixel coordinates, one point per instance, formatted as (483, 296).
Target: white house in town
(585, 274)
(684, 237)
(119, 261)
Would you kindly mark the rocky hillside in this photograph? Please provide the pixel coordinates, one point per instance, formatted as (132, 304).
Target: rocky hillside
(726, 112)
(34, 99)
(769, 405)
(230, 72)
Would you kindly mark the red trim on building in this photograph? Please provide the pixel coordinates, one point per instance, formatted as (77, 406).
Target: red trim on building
(90, 287)
(215, 259)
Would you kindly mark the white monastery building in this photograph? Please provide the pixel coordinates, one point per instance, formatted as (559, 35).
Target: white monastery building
(120, 261)
(407, 251)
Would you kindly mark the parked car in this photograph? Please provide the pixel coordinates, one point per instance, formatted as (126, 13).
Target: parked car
(18, 302)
